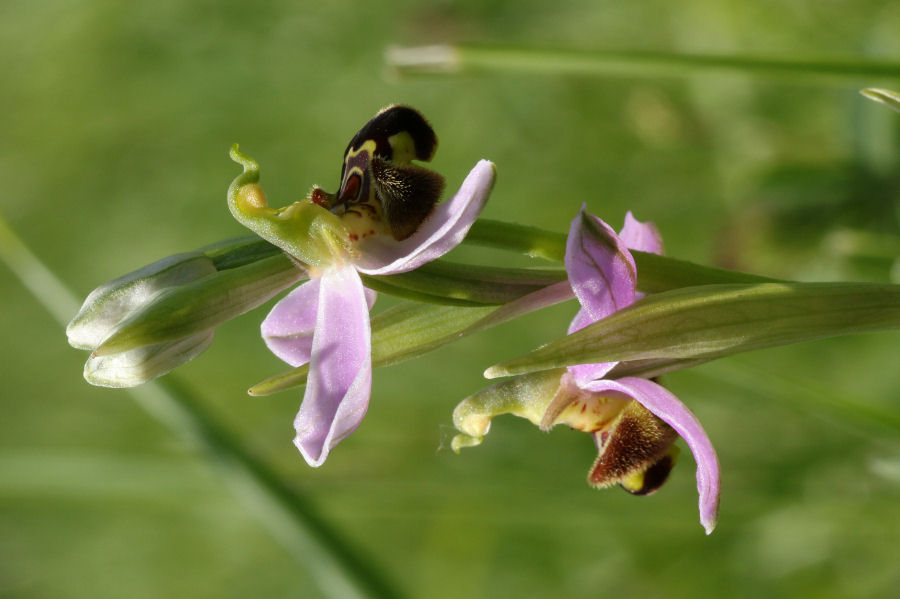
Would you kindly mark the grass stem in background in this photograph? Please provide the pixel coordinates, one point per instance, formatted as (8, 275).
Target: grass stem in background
(471, 58)
(887, 97)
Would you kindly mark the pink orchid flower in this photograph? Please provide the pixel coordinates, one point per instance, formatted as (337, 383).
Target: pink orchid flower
(603, 276)
(325, 321)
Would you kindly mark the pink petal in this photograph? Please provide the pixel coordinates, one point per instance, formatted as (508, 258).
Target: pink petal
(440, 233)
(642, 237)
(603, 277)
(288, 328)
(600, 267)
(340, 371)
(666, 406)
(584, 373)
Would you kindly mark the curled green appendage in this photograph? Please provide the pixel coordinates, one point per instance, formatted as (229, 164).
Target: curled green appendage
(251, 168)
(526, 396)
(308, 232)
(462, 440)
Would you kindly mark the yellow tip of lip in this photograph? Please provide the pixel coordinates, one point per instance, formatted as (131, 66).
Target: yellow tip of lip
(493, 373)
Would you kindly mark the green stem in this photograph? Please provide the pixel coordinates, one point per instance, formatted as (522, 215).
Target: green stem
(451, 59)
(655, 273)
(530, 241)
(289, 516)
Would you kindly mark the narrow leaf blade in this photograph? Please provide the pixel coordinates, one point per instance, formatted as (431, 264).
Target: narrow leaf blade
(712, 321)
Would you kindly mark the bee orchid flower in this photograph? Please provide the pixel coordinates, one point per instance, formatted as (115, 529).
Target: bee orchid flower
(384, 220)
(634, 421)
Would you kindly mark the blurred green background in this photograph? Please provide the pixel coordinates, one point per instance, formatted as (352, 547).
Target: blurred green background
(115, 121)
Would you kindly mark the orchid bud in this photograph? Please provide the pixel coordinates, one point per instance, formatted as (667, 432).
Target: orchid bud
(115, 301)
(144, 324)
(136, 366)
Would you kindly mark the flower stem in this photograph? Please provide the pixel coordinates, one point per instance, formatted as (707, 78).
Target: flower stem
(288, 515)
(452, 59)
(655, 273)
(527, 240)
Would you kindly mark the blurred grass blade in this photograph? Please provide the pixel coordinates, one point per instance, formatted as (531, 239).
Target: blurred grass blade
(805, 394)
(712, 321)
(37, 278)
(472, 58)
(288, 516)
(883, 96)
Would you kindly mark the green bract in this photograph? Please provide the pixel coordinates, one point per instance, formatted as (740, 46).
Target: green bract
(702, 323)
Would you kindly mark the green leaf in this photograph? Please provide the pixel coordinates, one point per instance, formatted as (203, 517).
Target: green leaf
(711, 321)
(650, 368)
(661, 273)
